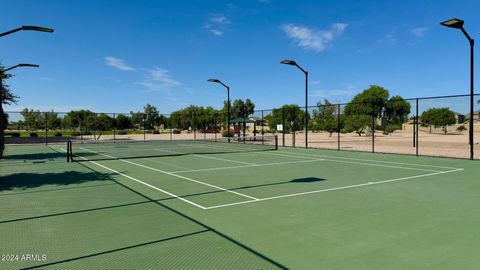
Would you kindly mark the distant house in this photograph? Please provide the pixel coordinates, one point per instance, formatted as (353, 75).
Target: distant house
(460, 118)
(476, 116)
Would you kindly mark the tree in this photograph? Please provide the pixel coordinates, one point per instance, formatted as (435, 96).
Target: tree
(77, 119)
(370, 100)
(4, 121)
(397, 110)
(438, 117)
(289, 114)
(52, 119)
(325, 117)
(33, 119)
(96, 124)
(357, 123)
(137, 119)
(152, 116)
(7, 98)
(123, 122)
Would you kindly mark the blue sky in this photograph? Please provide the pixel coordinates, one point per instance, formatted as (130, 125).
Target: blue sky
(116, 56)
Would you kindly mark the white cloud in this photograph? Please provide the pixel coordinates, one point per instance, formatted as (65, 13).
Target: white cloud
(117, 63)
(335, 95)
(158, 79)
(216, 32)
(419, 32)
(220, 19)
(217, 24)
(389, 39)
(311, 39)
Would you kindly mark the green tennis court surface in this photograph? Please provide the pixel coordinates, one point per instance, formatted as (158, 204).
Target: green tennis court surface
(290, 208)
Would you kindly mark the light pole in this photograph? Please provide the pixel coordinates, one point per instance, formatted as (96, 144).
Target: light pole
(2, 133)
(21, 28)
(458, 24)
(228, 104)
(293, 63)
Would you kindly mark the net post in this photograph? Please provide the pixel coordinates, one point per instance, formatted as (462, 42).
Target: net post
(68, 150)
(276, 142)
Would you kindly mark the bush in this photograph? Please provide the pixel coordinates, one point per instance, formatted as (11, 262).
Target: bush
(226, 133)
(461, 129)
(390, 129)
(33, 134)
(75, 133)
(121, 132)
(58, 134)
(155, 132)
(87, 133)
(176, 131)
(15, 134)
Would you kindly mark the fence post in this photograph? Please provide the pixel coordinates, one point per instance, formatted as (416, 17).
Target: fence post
(114, 127)
(46, 128)
(81, 133)
(194, 126)
(170, 126)
(417, 130)
(263, 123)
(338, 127)
(292, 128)
(144, 131)
(283, 125)
(373, 127)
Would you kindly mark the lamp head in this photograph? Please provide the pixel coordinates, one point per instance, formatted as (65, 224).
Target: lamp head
(289, 62)
(453, 23)
(37, 28)
(28, 65)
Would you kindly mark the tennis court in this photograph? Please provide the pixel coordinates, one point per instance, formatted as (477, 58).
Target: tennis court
(240, 205)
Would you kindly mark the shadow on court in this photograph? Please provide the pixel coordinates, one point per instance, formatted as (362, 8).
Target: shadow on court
(33, 180)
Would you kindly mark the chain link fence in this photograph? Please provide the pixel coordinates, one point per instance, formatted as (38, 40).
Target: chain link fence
(434, 126)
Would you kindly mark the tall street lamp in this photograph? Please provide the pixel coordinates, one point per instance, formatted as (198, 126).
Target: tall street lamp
(21, 28)
(228, 103)
(458, 24)
(293, 63)
(2, 138)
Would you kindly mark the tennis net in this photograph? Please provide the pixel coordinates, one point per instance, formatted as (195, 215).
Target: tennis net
(78, 150)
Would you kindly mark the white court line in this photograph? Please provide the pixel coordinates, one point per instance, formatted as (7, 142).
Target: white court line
(215, 158)
(249, 166)
(172, 174)
(141, 182)
(355, 162)
(163, 163)
(332, 189)
(373, 160)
